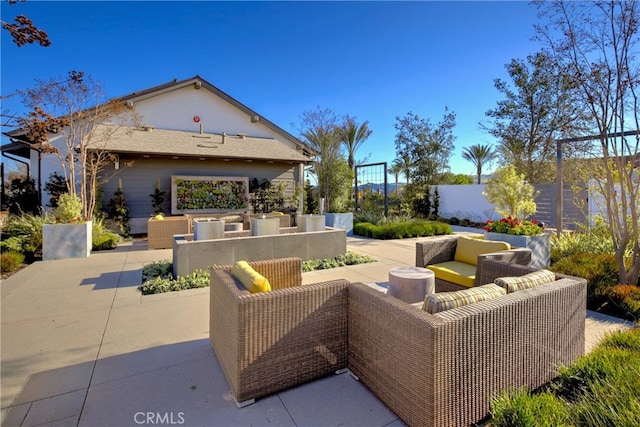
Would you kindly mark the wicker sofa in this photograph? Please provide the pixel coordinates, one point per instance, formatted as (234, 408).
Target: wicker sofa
(441, 249)
(274, 340)
(442, 369)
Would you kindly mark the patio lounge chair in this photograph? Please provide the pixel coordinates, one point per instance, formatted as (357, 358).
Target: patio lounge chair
(443, 369)
(442, 251)
(270, 341)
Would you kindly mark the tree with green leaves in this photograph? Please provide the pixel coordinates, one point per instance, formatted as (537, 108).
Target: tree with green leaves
(320, 130)
(428, 146)
(539, 106)
(395, 169)
(597, 42)
(479, 155)
(510, 193)
(352, 136)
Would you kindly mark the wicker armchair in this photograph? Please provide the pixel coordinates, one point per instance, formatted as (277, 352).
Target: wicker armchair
(439, 249)
(442, 369)
(160, 232)
(274, 340)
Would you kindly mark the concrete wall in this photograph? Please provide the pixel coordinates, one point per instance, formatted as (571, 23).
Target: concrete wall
(191, 255)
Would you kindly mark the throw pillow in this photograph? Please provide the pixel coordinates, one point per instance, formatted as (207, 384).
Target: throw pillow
(435, 303)
(250, 279)
(468, 249)
(530, 280)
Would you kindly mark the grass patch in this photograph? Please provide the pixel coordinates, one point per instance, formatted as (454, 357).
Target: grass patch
(602, 388)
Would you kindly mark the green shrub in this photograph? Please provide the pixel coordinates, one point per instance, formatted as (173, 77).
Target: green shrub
(600, 270)
(350, 258)
(370, 216)
(597, 240)
(523, 409)
(399, 230)
(102, 237)
(599, 389)
(625, 300)
(363, 229)
(157, 277)
(163, 269)
(69, 208)
(26, 231)
(9, 261)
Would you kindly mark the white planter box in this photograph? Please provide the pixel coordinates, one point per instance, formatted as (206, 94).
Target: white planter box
(310, 222)
(208, 229)
(539, 245)
(264, 226)
(343, 221)
(62, 241)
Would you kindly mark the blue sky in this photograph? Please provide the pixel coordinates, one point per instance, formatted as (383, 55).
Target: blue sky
(372, 60)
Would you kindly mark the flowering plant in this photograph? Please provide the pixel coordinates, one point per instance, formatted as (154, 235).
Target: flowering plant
(69, 210)
(514, 226)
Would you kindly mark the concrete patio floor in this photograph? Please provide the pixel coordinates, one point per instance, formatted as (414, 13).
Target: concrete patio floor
(82, 346)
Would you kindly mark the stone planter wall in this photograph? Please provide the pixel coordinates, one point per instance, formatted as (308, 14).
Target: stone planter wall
(62, 241)
(539, 245)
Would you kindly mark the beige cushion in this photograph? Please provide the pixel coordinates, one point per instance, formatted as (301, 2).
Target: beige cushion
(435, 303)
(460, 273)
(468, 249)
(531, 280)
(250, 279)
(231, 218)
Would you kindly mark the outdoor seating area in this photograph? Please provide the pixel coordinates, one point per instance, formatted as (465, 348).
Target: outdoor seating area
(418, 369)
(430, 369)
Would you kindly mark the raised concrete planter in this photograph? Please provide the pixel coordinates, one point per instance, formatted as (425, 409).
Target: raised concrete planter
(189, 254)
(208, 229)
(540, 246)
(264, 226)
(340, 220)
(310, 223)
(62, 241)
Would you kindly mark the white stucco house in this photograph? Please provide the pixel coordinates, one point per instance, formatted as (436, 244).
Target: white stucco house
(187, 128)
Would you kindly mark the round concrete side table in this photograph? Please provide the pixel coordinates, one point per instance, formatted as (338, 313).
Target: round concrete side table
(411, 284)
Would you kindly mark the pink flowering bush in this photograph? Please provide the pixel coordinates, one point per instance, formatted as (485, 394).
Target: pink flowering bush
(514, 226)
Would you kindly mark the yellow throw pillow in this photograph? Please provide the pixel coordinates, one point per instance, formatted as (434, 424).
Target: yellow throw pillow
(468, 249)
(250, 279)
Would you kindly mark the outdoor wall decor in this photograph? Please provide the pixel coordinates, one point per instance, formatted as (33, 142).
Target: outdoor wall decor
(209, 194)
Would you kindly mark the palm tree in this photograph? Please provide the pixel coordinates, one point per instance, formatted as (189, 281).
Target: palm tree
(395, 169)
(479, 155)
(405, 162)
(352, 136)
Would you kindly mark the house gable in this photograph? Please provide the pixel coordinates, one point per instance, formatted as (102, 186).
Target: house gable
(194, 105)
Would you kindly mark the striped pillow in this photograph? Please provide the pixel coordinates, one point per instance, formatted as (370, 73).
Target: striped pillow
(531, 280)
(435, 303)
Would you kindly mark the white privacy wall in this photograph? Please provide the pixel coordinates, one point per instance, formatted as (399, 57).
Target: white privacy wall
(465, 201)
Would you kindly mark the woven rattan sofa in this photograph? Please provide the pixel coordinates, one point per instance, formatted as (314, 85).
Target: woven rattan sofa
(441, 249)
(442, 369)
(271, 341)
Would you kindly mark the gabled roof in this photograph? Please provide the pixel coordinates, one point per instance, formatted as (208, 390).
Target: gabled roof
(199, 81)
(162, 142)
(19, 134)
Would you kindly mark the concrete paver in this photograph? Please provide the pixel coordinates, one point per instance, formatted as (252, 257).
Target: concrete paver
(81, 346)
